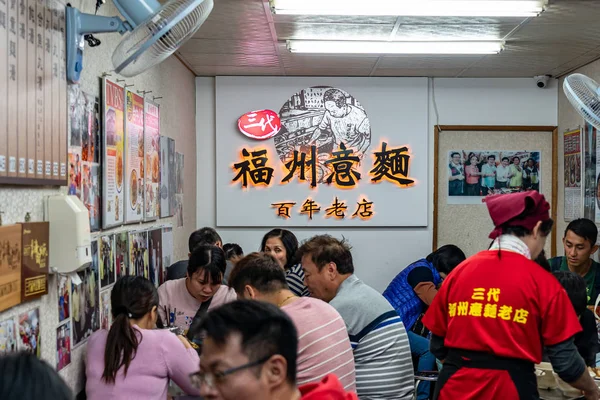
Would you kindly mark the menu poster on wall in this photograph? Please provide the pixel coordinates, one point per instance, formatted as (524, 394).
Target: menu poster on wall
(589, 171)
(90, 156)
(8, 336)
(113, 139)
(106, 260)
(63, 345)
(167, 185)
(10, 266)
(134, 158)
(572, 178)
(34, 272)
(76, 133)
(121, 254)
(155, 256)
(29, 332)
(179, 189)
(105, 309)
(167, 251)
(138, 254)
(85, 309)
(152, 162)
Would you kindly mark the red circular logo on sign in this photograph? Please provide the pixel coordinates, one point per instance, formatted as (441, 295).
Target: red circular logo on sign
(260, 125)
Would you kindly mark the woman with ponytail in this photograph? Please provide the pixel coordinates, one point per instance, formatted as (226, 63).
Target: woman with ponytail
(134, 360)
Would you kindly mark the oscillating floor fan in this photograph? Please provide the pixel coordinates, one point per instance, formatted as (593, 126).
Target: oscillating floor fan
(152, 32)
(583, 94)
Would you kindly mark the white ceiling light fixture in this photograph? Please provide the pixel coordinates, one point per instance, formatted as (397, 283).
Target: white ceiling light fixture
(411, 8)
(390, 47)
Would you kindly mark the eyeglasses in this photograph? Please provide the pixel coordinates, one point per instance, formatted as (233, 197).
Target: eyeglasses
(211, 378)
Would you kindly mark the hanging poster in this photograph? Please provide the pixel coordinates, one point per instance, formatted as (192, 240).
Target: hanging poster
(167, 251)
(152, 163)
(64, 289)
(113, 163)
(179, 189)
(121, 254)
(105, 309)
(589, 171)
(77, 132)
(167, 176)
(63, 345)
(85, 306)
(8, 336)
(90, 165)
(134, 157)
(155, 256)
(572, 168)
(34, 271)
(10, 266)
(106, 261)
(29, 332)
(138, 254)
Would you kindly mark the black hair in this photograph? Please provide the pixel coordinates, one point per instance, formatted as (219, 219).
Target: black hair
(23, 376)
(132, 297)
(232, 250)
(584, 228)
(210, 259)
(335, 95)
(259, 270)
(204, 235)
(542, 261)
(265, 331)
(515, 157)
(576, 289)
(491, 156)
(454, 153)
(290, 242)
(505, 158)
(324, 249)
(521, 231)
(446, 258)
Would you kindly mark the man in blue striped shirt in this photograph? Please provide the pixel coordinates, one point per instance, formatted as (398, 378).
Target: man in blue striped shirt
(382, 355)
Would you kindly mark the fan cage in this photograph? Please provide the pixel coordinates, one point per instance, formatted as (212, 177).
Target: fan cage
(152, 42)
(582, 93)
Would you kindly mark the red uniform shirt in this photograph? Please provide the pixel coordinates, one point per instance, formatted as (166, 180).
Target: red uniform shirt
(507, 306)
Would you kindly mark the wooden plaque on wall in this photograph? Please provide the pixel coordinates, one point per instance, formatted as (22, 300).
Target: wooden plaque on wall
(35, 260)
(466, 222)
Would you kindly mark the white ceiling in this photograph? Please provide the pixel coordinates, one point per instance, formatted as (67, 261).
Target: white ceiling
(242, 37)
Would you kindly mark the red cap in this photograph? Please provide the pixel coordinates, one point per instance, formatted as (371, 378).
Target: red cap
(524, 209)
(329, 388)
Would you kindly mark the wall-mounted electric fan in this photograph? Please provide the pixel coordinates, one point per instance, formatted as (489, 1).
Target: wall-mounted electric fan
(154, 32)
(584, 95)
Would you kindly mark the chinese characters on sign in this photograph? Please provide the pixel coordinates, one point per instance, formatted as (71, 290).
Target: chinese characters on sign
(259, 125)
(486, 305)
(390, 164)
(338, 208)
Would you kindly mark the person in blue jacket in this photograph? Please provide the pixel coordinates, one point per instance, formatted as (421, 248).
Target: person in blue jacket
(412, 291)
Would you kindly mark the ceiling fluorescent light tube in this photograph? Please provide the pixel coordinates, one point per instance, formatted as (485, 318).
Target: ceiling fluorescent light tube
(411, 8)
(372, 47)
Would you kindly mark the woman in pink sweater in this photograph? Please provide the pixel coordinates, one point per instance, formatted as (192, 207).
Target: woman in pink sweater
(134, 361)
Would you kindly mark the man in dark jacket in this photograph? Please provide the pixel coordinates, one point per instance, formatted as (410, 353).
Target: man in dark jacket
(580, 244)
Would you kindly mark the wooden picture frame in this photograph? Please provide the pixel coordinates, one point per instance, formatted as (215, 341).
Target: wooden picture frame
(551, 130)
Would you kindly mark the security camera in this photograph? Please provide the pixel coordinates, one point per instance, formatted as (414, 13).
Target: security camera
(541, 81)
